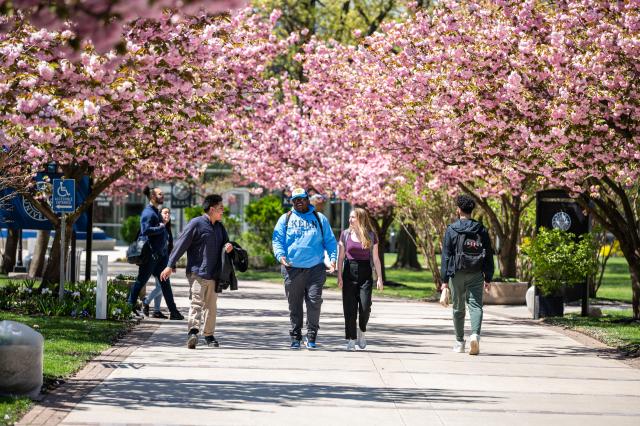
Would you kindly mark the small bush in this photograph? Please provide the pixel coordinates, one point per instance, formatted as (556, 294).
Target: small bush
(262, 215)
(130, 228)
(558, 258)
(611, 249)
(193, 212)
(260, 254)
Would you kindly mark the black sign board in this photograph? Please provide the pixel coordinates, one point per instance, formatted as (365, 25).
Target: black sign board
(556, 209)
(180, 195)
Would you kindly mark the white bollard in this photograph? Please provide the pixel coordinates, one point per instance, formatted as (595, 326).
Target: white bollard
(101, 288)
(78, 263)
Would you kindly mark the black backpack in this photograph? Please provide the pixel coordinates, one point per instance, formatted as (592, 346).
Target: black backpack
(469, 253)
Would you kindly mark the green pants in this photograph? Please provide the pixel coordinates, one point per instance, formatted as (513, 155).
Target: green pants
(467, 287)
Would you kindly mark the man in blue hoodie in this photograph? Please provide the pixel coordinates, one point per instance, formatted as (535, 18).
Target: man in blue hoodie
(300, 239)
(467, 268)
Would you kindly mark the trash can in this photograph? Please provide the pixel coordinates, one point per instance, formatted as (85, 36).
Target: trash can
(21, 358)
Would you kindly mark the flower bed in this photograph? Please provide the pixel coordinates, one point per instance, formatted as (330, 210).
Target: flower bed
(79, 301)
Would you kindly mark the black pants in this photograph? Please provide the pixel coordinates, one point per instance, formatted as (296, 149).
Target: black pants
(357, 285)
(304, 285)
(154, 267)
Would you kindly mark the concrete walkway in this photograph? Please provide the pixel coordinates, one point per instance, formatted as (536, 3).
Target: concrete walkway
(525, 374)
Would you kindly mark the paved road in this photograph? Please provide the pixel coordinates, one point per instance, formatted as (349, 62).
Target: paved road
(525, 374)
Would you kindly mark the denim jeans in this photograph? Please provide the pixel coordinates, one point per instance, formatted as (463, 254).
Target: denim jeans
(466, 289)
(154, 267)
(155, 296)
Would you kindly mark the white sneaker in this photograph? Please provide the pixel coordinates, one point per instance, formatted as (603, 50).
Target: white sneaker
(474, 342)
(362, 341)
(458, 347)
(351, 345)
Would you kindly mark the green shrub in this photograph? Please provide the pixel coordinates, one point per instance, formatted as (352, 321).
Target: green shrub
(193, 212)
(558, 258)
(130, 228)
(260, 253)
(232, 224)
(262, 215)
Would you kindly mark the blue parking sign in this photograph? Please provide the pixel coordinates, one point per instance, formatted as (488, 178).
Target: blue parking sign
(63, 195)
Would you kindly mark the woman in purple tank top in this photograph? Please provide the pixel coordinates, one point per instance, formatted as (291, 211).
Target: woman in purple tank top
(357, 259)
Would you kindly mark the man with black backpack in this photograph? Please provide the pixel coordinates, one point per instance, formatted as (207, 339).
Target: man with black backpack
(300, 239)
(467, 267)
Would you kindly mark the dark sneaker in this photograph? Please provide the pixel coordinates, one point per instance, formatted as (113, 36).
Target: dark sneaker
(158, 314)
(295, 344)
(145, 309)
(211, 341)
(136, 312)
(176, 316)
(192, 340)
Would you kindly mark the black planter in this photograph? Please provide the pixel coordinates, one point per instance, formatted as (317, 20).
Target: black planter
(574, 292)
(550, 306)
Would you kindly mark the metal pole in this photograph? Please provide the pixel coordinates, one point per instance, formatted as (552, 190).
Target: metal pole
(72, 271)
(62, 256)
(584, 311)
(89, 240)
(19, 265)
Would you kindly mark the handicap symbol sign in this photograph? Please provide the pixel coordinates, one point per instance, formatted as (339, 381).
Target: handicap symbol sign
(63, 196)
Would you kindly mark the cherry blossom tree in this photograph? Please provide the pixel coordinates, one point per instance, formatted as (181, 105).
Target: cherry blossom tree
(156, 111)
(103, 21)
(507, 96)
(498, 98)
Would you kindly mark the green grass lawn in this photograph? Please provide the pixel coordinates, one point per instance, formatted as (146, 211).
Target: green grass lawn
(615, 329)
(616, 284)
(69, 344)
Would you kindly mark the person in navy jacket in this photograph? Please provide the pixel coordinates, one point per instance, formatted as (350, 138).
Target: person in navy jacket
(203, 239)
(152, 227)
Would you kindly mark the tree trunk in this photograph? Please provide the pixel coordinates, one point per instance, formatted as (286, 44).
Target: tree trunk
(634, 270)
(10, 251)
(615, 210)
(508, 255)
(407, 250)
(39, 254)
(52, 272)
(381, 231)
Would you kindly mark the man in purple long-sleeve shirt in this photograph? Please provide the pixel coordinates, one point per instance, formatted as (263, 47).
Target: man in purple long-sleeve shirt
(203, 239)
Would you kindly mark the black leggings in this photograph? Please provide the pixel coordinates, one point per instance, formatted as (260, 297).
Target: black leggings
(357, 285)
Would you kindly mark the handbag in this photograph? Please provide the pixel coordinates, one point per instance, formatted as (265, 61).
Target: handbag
(138, 251)
(445, 297)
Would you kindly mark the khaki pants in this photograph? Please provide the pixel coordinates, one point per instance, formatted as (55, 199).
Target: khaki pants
(204, 301)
